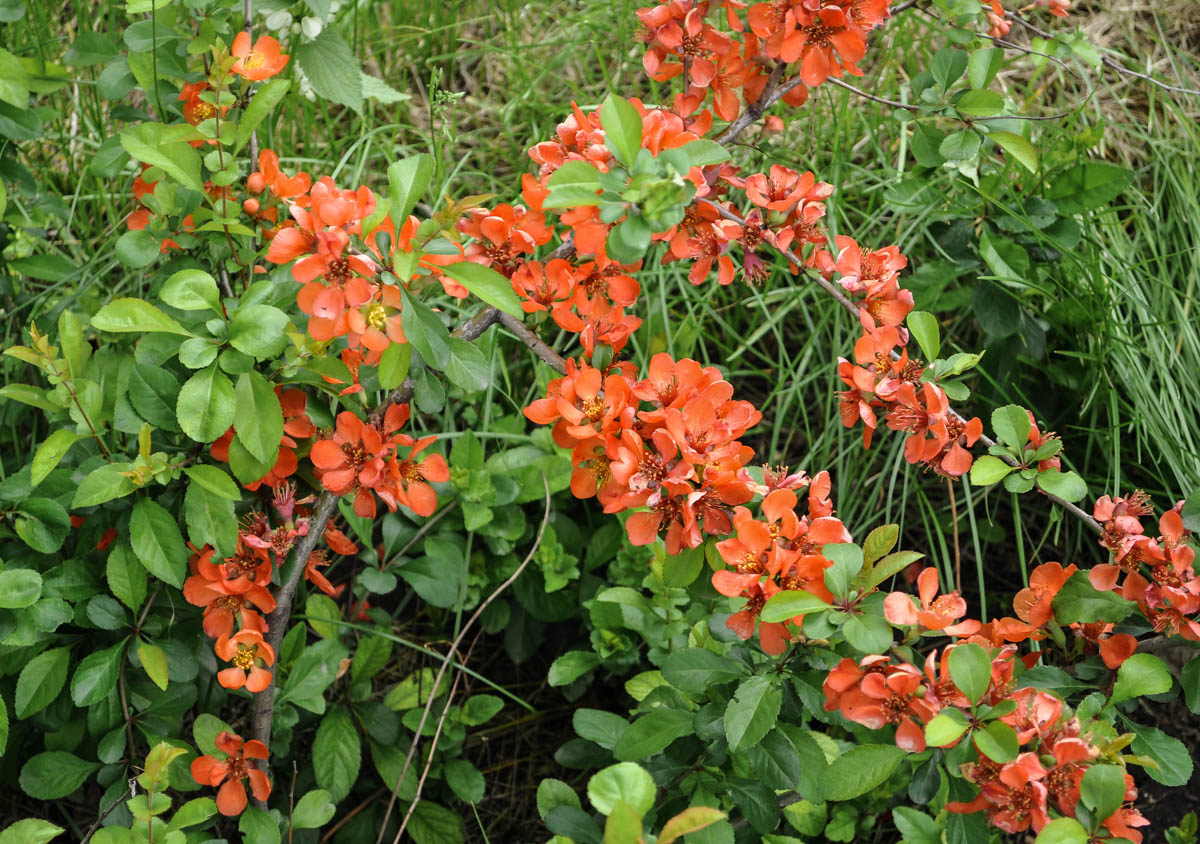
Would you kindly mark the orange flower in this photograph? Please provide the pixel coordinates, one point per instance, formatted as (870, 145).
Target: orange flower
(251, 657)
(936, 613)
(262, 61)
(412, 475)
(239, 765)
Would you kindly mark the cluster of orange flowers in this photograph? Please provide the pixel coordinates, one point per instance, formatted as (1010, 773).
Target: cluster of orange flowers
(678, 455)
(234, 591)
(1170, 595)
(825, 38)
(1053, 751)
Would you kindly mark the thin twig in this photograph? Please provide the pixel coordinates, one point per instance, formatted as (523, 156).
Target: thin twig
(1109, 62)
(893, 103)
(957, 549)
(769, 95)
(433, 743)
(96, 825)
(450, 653)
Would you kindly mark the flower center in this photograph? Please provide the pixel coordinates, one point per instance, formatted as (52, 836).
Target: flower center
(376, 316)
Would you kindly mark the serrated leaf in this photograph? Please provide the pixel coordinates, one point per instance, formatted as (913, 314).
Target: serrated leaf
(332, 69)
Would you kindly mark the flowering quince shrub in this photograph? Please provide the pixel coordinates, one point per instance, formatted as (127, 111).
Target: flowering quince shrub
(203, 559)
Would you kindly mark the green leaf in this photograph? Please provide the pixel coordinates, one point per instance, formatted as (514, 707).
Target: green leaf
(623, 825)
(19, 588)
(1086, 187)
(703, 152)
(1018, 148)
(258, 330)
(126, 576)
(313, 671)
(1079, 601)
(1063, 831)
(889, 566)
(625, 781)
(571, 666)
(210, 519)
(103, 484)
(468, 367)
(337, 753)
(176, 159)
(998, 742)
(980, 103)
(1103, 789)
(878, 542)
(682, 569)
(487, 284)
(259, 424)
(552, 793)
(425, 331)
(629, 240)
(925, 331)
(258, 827)
(267, 97)
(1189, 679)
(207, 405)
(154, 392)
(945, 728)
(1174, 762)
(333, 70)
(697, 669)
(191, 290)
(869, 634)
(622, 128)
(916, 827)
(192, 812)
(408, 179)
(438, 576)
(859, 770)
(1066, 485)
(1011, 424)
(989, 469)
(480, 709)
(971, 670)
(214, 480)
(40, 681)
(14, 84)
(786, 605)
(751, 713)
(434, 824)
(604, 728)
(1141, 674)
(394, 364)
(960, 146)
(137, 248)
(313, 810)
(50, 776)
(465, 780)
(154, 661)
(651, 733)
(947, 66)
(42, 524)
(847, 561)
(157, 542)
(96, 675)
(205, 730)
(30, 831)
(983, 66)
(136, 315)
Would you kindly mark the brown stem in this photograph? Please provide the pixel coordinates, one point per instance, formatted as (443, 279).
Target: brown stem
(547, 354)
(264, 702)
